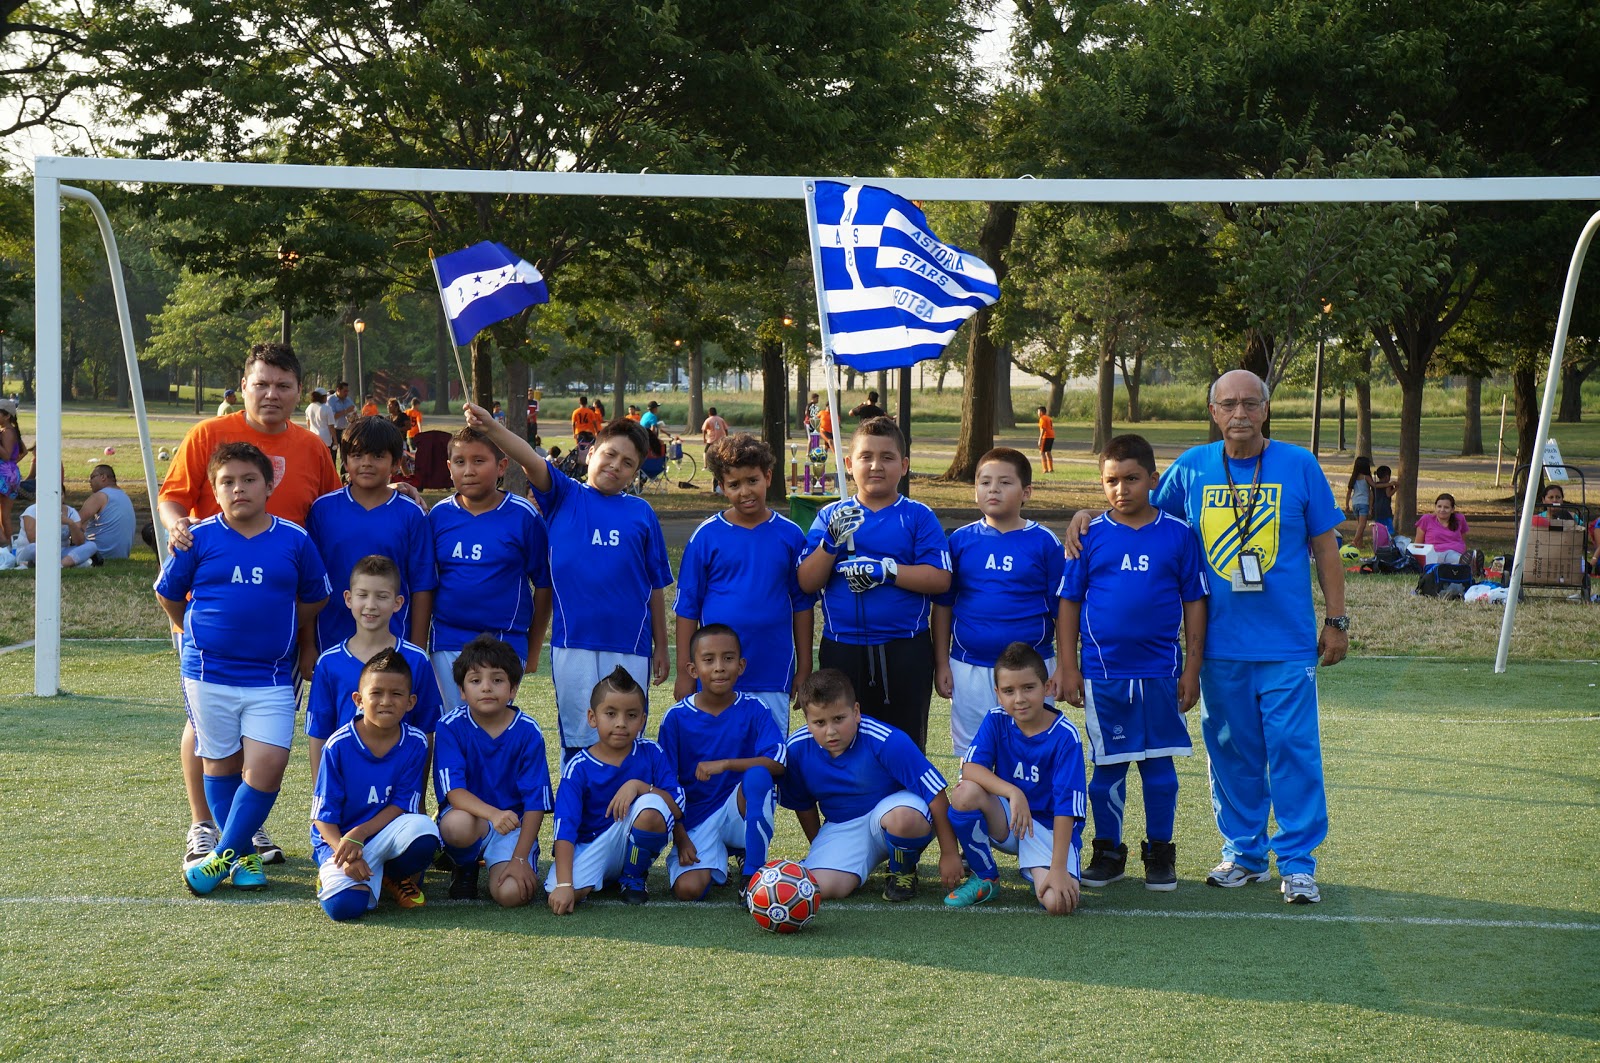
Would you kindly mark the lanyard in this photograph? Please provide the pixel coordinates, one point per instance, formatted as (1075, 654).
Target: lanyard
(1233, 495)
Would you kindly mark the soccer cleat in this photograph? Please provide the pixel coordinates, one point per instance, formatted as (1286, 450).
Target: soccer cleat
(634, 891)
(1110, 862)
(207, 873)
(974, 890)
(247, 873)
(1300, 889)
(201, 842)
(1160, 866)
(464, 882)
(269, 851)
(1229, 874)
(406, 892)
(899, 885)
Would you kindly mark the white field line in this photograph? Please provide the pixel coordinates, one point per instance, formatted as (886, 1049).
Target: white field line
(1288, 916)
(1537, 719)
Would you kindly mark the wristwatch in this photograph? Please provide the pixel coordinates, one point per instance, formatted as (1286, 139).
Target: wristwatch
(1339, 623)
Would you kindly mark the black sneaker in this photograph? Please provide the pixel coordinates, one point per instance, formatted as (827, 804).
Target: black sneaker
(1160, 866)
(900, 885)
(1110, 862)
(634, 893)
(464, 882)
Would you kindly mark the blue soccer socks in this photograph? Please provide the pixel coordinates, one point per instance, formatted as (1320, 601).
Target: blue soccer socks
(250, 810)
(347, 904)
(972, 831)
(643, 848)
(905, 852)
(1108, 797)
(219, 795)
(418, 855)
(759, 790)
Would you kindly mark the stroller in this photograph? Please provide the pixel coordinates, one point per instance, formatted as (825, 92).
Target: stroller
(1557, 560)
(575, 462)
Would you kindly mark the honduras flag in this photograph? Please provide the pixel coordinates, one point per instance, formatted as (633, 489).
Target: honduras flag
(486, 283)
(893, 293)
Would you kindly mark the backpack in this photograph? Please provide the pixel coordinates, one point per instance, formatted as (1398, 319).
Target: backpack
(1389, 559)
(1445, 581)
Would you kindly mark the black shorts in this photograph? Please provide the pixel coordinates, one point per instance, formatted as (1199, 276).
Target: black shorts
(893, 680)
(1047, 445)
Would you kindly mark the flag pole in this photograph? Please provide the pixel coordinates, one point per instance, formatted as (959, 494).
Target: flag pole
(830, 372)
(466, 392)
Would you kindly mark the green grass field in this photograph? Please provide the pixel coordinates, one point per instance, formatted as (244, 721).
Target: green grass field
(1460, 920)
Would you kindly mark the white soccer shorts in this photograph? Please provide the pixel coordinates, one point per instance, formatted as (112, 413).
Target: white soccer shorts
(395, 838)
(600, 860)
(713, 837)
(223, 715)
(856, 846)
(575, 674)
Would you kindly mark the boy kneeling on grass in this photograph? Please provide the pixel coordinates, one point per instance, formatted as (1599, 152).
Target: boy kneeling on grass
(1022, 790)
(863, 793)
(367, 823)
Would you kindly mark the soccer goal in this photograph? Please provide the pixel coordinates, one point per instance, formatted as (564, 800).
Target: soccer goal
(49, 190)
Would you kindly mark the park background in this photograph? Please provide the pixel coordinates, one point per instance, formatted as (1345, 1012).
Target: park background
(1460, 911)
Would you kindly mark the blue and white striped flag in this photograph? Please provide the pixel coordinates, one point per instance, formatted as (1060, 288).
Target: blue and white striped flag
(894, 292)
(486, 283)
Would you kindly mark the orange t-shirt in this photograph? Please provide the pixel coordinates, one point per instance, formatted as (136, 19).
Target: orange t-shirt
(1047, 426)
(302, 468)
(825, 424)
(416, 423)
(370, 410)
(586, 419)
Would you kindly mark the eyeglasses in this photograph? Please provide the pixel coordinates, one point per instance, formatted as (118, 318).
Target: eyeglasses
(1247, 405)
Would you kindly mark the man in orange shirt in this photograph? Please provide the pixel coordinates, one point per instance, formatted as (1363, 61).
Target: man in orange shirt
(369, 408)
(302, 471)
(825, 426)
(1047, 440)
(585, 419)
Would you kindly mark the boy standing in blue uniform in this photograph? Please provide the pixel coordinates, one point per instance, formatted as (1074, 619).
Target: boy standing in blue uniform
(599, 537)
(878, 558)
(1006, 571)
(488, 546)
(1139, 576)
(738, 569)
(1022, 790)
(373, 598)
(367, 825)
(863, 793)
(726, 751)
(255, 581)
(617, 804)
(368, 516)
(491, 778)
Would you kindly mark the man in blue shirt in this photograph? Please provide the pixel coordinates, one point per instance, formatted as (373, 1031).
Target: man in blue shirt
(1263, 511)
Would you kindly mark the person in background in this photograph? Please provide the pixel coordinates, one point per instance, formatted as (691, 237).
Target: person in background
(107, 516)
(869, 409)
(11, 451)
(1445, 529)
(319, 421)
(343, 409)
(229, 403)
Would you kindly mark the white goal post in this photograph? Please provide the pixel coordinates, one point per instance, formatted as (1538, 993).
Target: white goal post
(51, 171)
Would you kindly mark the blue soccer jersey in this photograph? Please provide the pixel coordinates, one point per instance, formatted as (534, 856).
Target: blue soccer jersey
(1133, 583)
(509, 771)
(690, 735)
(607, 555)
(904, 530)
(1292, 505)
(240, 628)
(354, 784)
(485, 563)
(747, 578)
(1047, 768)
(588, 784)
(345, 531)
(881, 761)
(330, 706)
(1003, 589)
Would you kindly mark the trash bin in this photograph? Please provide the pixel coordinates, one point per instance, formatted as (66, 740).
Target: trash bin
(803, 508)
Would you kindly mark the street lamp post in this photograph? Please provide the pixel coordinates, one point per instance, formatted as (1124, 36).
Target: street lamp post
(361, 386)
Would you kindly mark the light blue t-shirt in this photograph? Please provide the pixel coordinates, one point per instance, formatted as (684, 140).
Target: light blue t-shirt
(1293, 505)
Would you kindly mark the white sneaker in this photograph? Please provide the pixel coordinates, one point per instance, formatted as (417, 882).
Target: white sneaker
(269, 851)
(1229, 875)
(200, 843)
(1300, 889)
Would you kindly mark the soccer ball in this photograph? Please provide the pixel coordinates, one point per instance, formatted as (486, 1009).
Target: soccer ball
(110, 451)
(1349, 555)
(782, 897)
(163, 455)
(819, 455)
